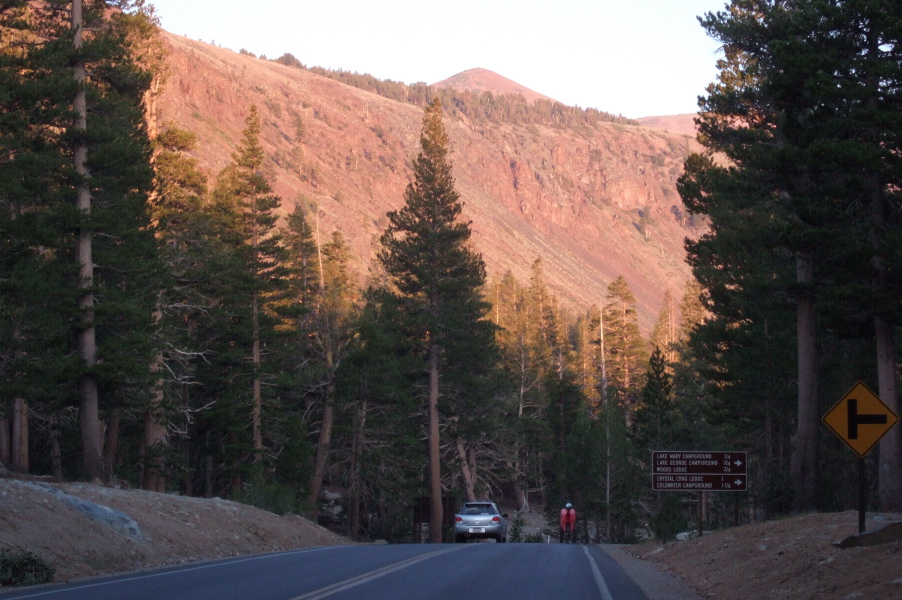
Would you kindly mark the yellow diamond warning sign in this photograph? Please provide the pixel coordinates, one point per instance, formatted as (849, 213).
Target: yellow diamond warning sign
(860, 419)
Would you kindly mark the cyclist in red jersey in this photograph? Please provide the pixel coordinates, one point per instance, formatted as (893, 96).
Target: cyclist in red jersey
(568, 524)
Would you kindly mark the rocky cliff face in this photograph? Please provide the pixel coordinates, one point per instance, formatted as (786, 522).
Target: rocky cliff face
(592, 203)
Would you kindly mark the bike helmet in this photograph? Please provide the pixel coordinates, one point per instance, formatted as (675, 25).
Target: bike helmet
(568, 505)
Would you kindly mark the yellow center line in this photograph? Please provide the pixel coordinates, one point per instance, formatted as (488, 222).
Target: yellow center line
(371, 575)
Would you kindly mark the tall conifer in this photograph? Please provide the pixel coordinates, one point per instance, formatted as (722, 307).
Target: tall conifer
(438, 278)
(263, 250)
(808, 112)
(626, 353)
(81, 166)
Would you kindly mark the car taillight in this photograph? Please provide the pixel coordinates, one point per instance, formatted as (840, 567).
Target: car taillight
(458, 520)
(496, 519)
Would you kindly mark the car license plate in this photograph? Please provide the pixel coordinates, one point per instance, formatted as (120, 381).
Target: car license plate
(477, 529)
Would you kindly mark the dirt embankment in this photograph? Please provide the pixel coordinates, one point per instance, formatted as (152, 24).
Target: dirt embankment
(143, 530)
(791, 559)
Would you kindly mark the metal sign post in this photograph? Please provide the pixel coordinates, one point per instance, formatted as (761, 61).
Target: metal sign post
(860, 419)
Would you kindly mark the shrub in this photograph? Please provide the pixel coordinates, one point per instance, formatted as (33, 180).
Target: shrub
(23, 568)
(516, 532)
(273, 496)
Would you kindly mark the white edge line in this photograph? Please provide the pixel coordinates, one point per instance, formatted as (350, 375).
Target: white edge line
(171, 570)
(599, 580)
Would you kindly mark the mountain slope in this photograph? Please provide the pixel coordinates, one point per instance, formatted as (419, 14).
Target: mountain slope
(591, 202)
(680, 124)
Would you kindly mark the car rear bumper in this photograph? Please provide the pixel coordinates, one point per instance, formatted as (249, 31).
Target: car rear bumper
(478, 531)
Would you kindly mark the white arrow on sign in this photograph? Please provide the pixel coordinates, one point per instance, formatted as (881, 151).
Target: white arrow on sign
(738, 462)
(738, 482)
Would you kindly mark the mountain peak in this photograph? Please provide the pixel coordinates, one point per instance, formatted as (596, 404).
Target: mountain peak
(483, 80)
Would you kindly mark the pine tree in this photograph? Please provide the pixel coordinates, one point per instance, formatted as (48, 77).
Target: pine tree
(37, 297)
(263, 249)
(184, 230)
(665, 334)
(650, 418)
(69, 168)
(330, 335)
(383, 444)
(438, 281)
(624, 347)
(239, 280)
(586, 344)
(301, 265)
(739, 119)
(602, 472)
(692, 311)
(847, 140)
(547, 328)
(524, 366)
(806, 153)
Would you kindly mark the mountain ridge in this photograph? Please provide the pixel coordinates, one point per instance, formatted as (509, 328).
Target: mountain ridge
(681, 124)
(591, 202)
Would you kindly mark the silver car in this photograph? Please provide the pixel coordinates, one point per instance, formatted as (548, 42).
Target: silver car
(480, 519)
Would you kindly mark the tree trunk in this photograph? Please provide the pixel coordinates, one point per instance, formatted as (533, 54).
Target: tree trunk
(607, 491)
(520, 497)
(56, 454)
(5, 442)
(671, 332)
(88, 412)
(322, 450)
(111, 449)
(435, 474)
(208, 476)
(804, 454)
(607, 425)
(465, 471)
(355, 493)
(601, 357)
(889, 474)
(353, 530)
(889, 484)
(236, 483)
(155, 435)
(257, 417)
(19, 445)
(325, 432)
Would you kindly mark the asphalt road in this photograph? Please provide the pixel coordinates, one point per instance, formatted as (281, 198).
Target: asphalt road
(383, 572)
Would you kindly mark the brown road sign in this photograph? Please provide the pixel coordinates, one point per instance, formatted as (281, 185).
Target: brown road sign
(860, 419)
(699, 483)
(698, 471)
(698, 462)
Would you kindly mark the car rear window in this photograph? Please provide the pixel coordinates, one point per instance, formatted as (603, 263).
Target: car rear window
(478, 509)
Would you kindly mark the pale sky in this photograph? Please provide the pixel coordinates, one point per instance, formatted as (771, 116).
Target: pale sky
(637, 58)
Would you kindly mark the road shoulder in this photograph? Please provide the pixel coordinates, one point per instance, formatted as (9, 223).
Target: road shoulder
(657, 584)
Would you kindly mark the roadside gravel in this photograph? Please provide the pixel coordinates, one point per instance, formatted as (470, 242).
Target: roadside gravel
(656, 583)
